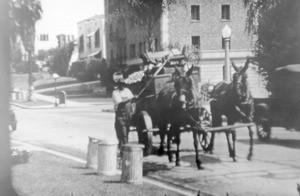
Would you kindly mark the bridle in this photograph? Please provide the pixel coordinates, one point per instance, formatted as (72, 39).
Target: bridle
(244, 96)
(190, 98)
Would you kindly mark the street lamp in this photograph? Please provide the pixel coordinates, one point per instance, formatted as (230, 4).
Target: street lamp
(226, 33)
(55, 76)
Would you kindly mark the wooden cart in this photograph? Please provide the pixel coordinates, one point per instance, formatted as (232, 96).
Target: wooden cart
(145, 120)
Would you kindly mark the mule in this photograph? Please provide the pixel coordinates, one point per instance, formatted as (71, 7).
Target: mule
(177, 105)
(234, 101)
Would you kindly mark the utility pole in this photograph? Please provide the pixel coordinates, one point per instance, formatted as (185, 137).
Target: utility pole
(30, 77)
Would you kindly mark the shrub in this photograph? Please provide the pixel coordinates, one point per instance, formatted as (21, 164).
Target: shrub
(88, 70)
(61, 59)
(23, 67)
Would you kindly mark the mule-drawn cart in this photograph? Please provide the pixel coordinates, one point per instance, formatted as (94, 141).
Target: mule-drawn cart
(144, 121)
(148, 113)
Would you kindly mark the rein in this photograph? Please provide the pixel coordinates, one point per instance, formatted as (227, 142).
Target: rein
(193, 120)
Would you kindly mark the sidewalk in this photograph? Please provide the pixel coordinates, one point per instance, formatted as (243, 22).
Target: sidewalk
(43, 101)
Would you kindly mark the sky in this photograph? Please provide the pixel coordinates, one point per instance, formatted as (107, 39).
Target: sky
(61, 16)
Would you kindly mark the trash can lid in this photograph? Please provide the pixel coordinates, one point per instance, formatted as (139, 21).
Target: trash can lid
(107, 142)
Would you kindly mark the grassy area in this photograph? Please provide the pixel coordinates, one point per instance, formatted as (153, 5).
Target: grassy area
(20, 81)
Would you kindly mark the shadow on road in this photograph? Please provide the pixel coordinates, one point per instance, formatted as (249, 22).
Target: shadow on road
(91, 174)
(205, 158)
(113, 182)
(153, 167)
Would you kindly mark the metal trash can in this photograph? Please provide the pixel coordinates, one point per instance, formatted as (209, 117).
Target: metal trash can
(107, 157)
(18, 95)
(25, 95)
(13, 96)
(132, 163)
(62, 97)
(92, 153)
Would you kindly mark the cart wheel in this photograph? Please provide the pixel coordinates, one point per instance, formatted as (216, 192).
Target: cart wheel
(205, 140)
(145, 137)
(263, 122)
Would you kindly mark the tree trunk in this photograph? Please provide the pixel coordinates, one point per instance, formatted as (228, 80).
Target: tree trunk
(6, 187)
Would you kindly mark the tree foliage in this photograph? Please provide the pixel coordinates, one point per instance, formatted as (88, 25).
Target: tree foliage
(276, 26)
(23, 16)
(143, 13)
(61, 59)
(89, 70)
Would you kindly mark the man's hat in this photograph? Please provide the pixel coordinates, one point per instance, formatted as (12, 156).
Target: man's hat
(118, 77)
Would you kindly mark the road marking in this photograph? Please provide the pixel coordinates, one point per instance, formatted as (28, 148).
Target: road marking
(154, 182)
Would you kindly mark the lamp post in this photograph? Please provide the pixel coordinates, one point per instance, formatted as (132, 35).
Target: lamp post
(55, 76)
(226, 33)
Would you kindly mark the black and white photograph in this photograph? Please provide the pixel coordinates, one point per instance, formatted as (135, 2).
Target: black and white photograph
(149, 98)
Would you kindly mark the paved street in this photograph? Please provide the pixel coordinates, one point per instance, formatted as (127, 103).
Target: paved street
(274, 169)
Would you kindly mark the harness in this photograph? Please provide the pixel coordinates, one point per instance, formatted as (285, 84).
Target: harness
(246, 96)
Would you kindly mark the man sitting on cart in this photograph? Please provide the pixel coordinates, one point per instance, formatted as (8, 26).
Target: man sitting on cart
(121, 97)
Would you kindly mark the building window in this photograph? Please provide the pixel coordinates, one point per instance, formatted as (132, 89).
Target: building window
(70, 38)
(140, 47)
(89, 42)
(97, 38)
(223, 43)
(132, 50)
(156, 44)
(112, 54)
(125, 52)
(225, 12)
(196, 42)
(81, 44)
(111, 33)
(44, 37)
(195, 12)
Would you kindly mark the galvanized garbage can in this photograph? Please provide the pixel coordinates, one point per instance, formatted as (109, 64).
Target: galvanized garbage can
(132, 163)
(18, 95)
(107, 157)
(62, 97)
(13, 96)
(92, 153)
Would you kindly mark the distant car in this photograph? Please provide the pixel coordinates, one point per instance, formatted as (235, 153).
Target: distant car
(12, 121)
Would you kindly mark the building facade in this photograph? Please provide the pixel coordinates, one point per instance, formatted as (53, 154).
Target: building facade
(195, 25)
(46, 41)
(63, 39)
(91, 38)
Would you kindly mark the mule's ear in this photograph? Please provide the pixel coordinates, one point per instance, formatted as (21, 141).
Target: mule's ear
(190, 71)
(246, 66)
(234, 66)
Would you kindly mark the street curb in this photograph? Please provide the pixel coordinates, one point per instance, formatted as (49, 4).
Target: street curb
(192, 190)
(68, 104)
(30, 107)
